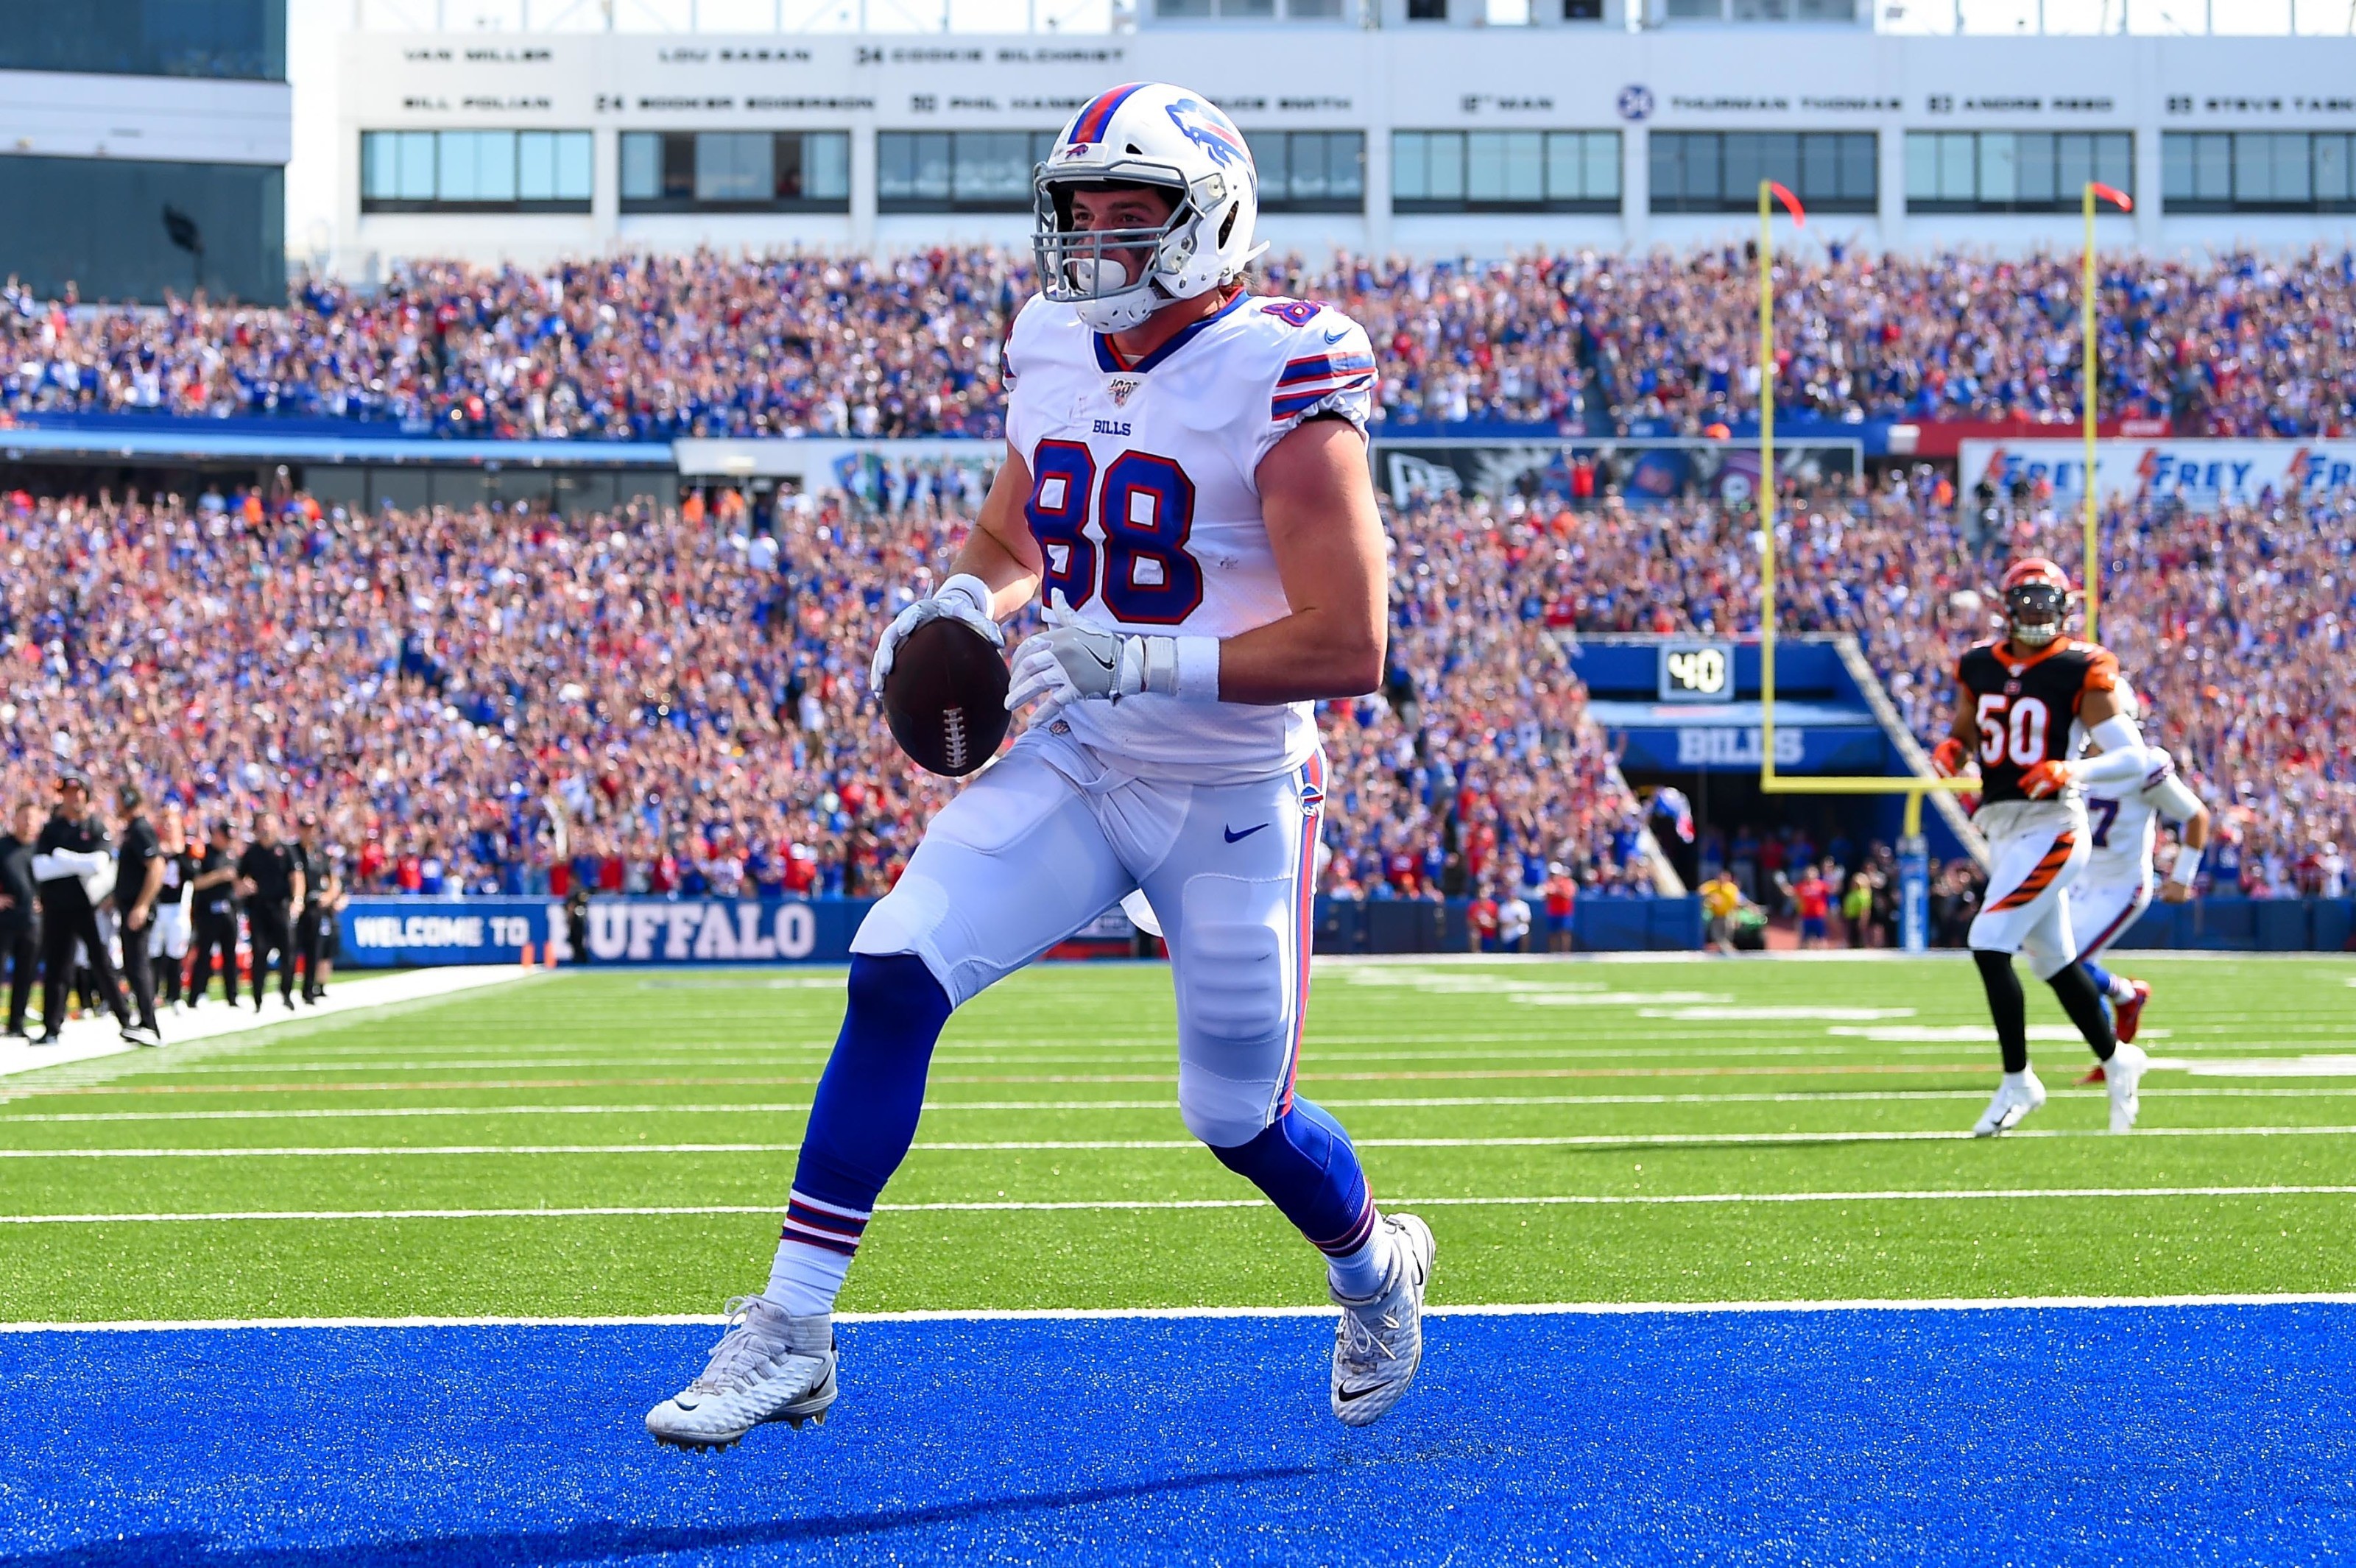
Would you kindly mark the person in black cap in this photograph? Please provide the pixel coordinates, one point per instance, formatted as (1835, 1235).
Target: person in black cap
(20, 926)
(270, 879)
(138, 880)
(213, 889)
(70, 859)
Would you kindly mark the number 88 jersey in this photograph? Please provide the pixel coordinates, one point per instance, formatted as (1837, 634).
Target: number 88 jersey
(2026, 705)
(1145, 502)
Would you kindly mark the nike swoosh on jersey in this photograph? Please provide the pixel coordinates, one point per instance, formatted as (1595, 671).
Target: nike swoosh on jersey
(1232, 836)
(1337, 336)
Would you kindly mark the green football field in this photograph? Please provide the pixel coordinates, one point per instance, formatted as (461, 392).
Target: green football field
(618, 1143)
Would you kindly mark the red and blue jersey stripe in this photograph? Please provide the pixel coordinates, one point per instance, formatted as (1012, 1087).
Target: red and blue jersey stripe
(1308, 381)
(1098, 116)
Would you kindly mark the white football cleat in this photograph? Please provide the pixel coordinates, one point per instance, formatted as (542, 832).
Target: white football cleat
(766, 1367)
(2125, 1073)
(2018, 1094)
(1379, 1343)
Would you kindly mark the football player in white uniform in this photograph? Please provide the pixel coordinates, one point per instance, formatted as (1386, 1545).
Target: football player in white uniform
(1186, 489)
(2116, 885)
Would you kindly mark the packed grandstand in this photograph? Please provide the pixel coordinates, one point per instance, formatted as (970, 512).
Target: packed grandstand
(524, 701)
(647, 346)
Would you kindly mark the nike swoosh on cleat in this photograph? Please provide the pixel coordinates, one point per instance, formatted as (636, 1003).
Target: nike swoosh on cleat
(1232, 836)
(1347, 1394)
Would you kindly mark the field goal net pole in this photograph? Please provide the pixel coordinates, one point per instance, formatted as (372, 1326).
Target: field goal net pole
(1914, 865)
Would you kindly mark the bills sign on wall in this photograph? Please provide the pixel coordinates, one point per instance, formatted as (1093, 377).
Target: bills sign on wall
(391, 933)
(2193, 470)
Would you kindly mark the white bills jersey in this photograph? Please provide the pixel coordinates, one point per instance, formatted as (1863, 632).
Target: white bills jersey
(1145, 502)
(2123, 822)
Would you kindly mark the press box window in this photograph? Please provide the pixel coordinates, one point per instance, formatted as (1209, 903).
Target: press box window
(735, 171)
(1505, 171)
(475, 171)
(1310, 171)
(1719, 171)
(958, 171)
(2013, 171)
(2258, 171)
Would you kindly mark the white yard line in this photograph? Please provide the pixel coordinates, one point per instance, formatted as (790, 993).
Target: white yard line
(85, 1040)
(1177, 1204)
(1181, 1314)
(798, 1107)
(1568, 1140)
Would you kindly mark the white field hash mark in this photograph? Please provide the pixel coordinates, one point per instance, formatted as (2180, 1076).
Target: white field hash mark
(1568, 1140)
(1598, 1200)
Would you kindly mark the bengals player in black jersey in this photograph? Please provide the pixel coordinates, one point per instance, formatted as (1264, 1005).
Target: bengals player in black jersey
(2023, 701)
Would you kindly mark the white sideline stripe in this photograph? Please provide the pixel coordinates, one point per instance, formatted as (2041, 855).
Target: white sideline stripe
(1174, 1204)
(86, 1039)
(1893, 1096)
(1566, 1140)
(1181, 1314)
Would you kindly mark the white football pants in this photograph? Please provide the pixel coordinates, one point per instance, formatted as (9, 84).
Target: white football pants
(1050, 837)
(2104, 903)
(2036, 850)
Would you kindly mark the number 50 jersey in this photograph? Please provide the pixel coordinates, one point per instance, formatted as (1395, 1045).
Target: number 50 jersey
(1145, 502)
(2024, 705)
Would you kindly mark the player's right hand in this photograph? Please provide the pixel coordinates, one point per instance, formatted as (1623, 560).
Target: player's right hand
(1947, 758)
(2046, 780)
(964, 597)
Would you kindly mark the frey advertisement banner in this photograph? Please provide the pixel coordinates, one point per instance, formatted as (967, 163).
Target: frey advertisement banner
(2191, 470)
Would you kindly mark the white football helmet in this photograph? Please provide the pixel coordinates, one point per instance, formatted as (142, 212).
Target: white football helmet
(1147, 134)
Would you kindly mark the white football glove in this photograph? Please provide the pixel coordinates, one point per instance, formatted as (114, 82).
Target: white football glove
(964, 597)
(1072, 660)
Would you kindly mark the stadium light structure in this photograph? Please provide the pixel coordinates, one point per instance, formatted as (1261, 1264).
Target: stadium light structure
(1915, 880)
(2091, 570)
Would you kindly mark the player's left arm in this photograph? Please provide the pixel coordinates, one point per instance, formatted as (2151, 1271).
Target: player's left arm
(2172, 799)
(1317, 499)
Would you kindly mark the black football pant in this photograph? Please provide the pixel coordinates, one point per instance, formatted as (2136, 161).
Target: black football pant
(311, 942)
(215, 935)
(139, 970)
(20, 948)
(62, 925)
(268, 935)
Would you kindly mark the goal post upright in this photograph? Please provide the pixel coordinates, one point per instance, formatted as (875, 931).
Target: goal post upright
(1914, 860)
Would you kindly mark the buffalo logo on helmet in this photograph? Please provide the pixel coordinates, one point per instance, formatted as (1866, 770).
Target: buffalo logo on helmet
(1209, 130)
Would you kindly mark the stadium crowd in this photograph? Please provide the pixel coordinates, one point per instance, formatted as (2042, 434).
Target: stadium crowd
(706, 344)
(522, 702)
(2235, 625)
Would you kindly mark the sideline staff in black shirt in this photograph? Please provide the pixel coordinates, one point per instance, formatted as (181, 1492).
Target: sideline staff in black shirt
(213, 892)
(70, 841)
(270, 878)
(138, 878)
(20, 926)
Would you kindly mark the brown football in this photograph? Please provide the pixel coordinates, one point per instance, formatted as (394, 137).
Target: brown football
(946, 697)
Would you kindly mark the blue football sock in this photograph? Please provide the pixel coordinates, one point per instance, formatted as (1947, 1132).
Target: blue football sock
(862, 1121)
(1304, 1163)
(2104, 982)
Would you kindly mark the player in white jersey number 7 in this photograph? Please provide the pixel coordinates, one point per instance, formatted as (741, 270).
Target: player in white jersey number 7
(1186, 486)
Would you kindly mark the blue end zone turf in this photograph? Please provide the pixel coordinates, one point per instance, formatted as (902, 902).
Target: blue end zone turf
(2185, 1434)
